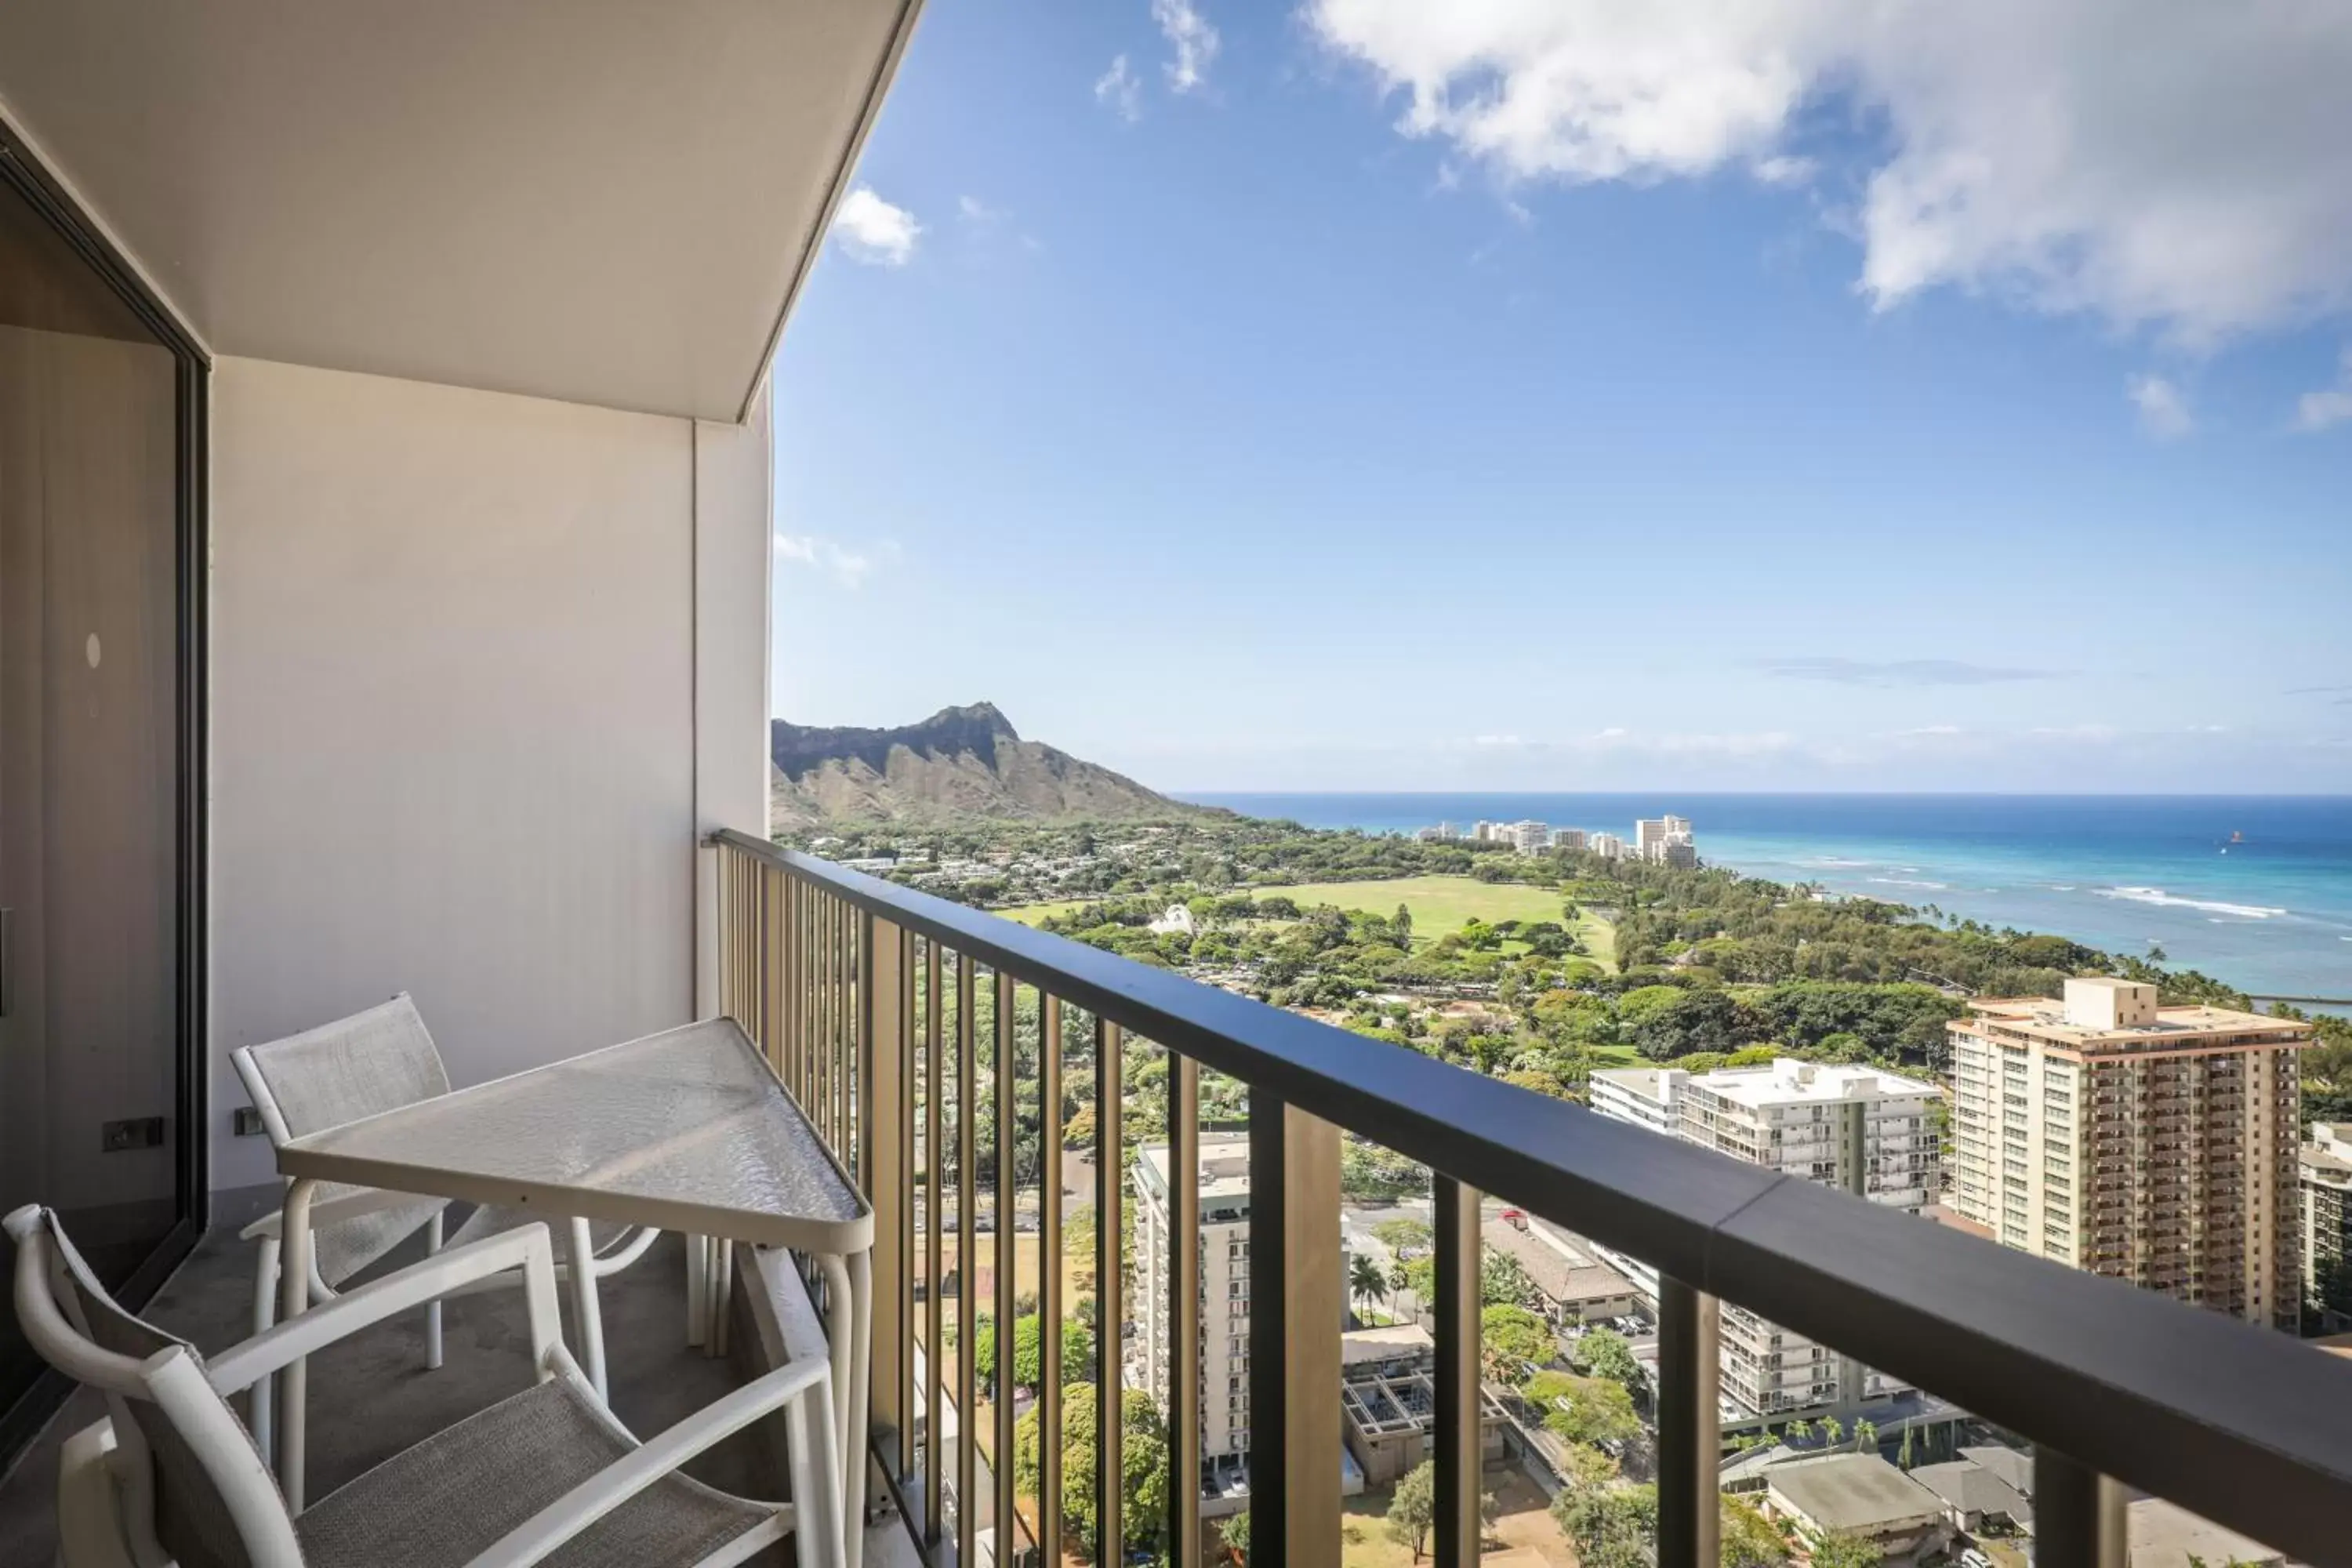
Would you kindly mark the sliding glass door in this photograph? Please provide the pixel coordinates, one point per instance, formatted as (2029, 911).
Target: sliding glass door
(100, 948)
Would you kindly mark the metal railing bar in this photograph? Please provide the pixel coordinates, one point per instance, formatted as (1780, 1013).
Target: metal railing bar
(1456, 1434)
(1689, 1436)
(1183, 1412)
(967, 1250)
(1110, 1287)
(1269, 1456)
(1006, 1254)
(1049, 1279)
(934, 1209)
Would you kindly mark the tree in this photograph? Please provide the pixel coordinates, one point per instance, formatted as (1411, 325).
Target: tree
(1605, 1353)
(1799, 1432)
(1365, 1280)
(1832, 1430)
(1413, 1508)
(1509, 1339)
(1235, 1532)
(1585, 1468)
(1865, 1436)
(1835, 1549)
(1750, 1540)
(1401, 926)
(1503, 1281)
(1583, 1409)
(1614, 1527)
(1143, 1468)
(1903, 1459)
(984, 1352)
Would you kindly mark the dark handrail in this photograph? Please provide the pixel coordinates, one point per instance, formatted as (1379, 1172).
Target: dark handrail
(2241, 1425)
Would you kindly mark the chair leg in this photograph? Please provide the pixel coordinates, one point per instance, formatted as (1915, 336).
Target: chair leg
(815, 1467)
(433, 1308)
(265, 1314)
(587, 1314)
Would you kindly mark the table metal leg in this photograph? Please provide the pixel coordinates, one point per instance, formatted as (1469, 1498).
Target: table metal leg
(697, 1281)
(849, 1326)
(721, 1289)
(294, 1300)
(587, 1314)
(433, 1308)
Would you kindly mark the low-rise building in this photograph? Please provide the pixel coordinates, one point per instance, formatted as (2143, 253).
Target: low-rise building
(1568, 839)
(1575, 1285)
(1608, 846)
(1861, 1496)
(1387, 1400)
(1976, 1499)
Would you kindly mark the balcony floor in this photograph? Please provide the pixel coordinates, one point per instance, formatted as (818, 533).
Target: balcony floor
(388, 1401)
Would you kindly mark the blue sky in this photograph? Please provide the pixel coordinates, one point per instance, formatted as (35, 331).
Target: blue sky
(1365, 395)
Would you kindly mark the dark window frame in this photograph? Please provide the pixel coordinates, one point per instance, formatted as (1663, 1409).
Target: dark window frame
(22, 172)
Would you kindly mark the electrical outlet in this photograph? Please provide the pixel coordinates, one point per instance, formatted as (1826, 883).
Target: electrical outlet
(249, 1123)
(139, 1132)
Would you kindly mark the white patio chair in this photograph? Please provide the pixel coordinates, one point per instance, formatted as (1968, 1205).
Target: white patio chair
(361, 1066)
(171, 1476)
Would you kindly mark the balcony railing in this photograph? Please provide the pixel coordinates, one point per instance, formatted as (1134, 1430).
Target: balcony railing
(866, 995)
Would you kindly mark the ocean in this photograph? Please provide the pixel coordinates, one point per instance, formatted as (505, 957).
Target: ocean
(2255, 890)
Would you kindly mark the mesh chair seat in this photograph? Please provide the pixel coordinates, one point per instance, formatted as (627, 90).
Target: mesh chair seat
(455, 1494)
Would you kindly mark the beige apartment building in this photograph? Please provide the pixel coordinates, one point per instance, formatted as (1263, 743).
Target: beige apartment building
(2154, 1145)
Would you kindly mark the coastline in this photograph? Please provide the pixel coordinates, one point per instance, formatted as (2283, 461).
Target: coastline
(2271, 915)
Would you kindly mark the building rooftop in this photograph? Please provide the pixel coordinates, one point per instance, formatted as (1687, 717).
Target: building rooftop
(1648, 1082)
(1788, 1082)
(2166, 1535)
(2045, 1019)
(1970, 1488)
(1224, 1165)
(1563, 1271)
(2011, 1465)
(1852, 1491)
(1358, 1346)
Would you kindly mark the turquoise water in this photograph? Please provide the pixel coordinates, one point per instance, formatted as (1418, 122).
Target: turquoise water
(2271, 914)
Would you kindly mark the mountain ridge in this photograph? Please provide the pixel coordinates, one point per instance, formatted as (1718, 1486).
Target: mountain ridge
(961, 762)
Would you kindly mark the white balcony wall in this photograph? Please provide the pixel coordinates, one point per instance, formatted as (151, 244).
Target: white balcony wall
(483, 667)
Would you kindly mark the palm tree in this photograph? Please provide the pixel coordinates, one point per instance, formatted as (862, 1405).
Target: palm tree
(1865, 1436)
(1365, 1281)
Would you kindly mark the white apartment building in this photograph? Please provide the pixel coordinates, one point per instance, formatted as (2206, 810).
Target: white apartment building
(1856, 1127)
(1529, 838)
(1606, 844)
(1223, 1390)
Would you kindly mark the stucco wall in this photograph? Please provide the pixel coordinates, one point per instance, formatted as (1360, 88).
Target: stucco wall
(455, 702)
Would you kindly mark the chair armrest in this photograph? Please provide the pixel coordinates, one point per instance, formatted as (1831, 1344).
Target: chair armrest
(526, 1246)
(624, 1479)
(343, 1205)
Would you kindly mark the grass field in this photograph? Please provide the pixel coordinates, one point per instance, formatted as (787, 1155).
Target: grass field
(1439, 904)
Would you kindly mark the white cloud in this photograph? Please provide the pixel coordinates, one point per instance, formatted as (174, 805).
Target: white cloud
(2331, 405)
(1194, 41)
(2163, 407)
(850, 568)
(2188, 167)
(1119, 87)
(873, 231)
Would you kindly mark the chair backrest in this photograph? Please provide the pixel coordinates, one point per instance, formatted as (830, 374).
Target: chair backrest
(198, 1485)
(357, 1067)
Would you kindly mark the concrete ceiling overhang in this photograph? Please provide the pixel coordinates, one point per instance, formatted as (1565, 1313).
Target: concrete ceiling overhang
(609, 202)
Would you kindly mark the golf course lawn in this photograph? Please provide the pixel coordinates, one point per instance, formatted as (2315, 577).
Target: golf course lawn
(1440, 905)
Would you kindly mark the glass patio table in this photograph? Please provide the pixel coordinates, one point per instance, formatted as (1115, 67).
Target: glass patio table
(686, 1130)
